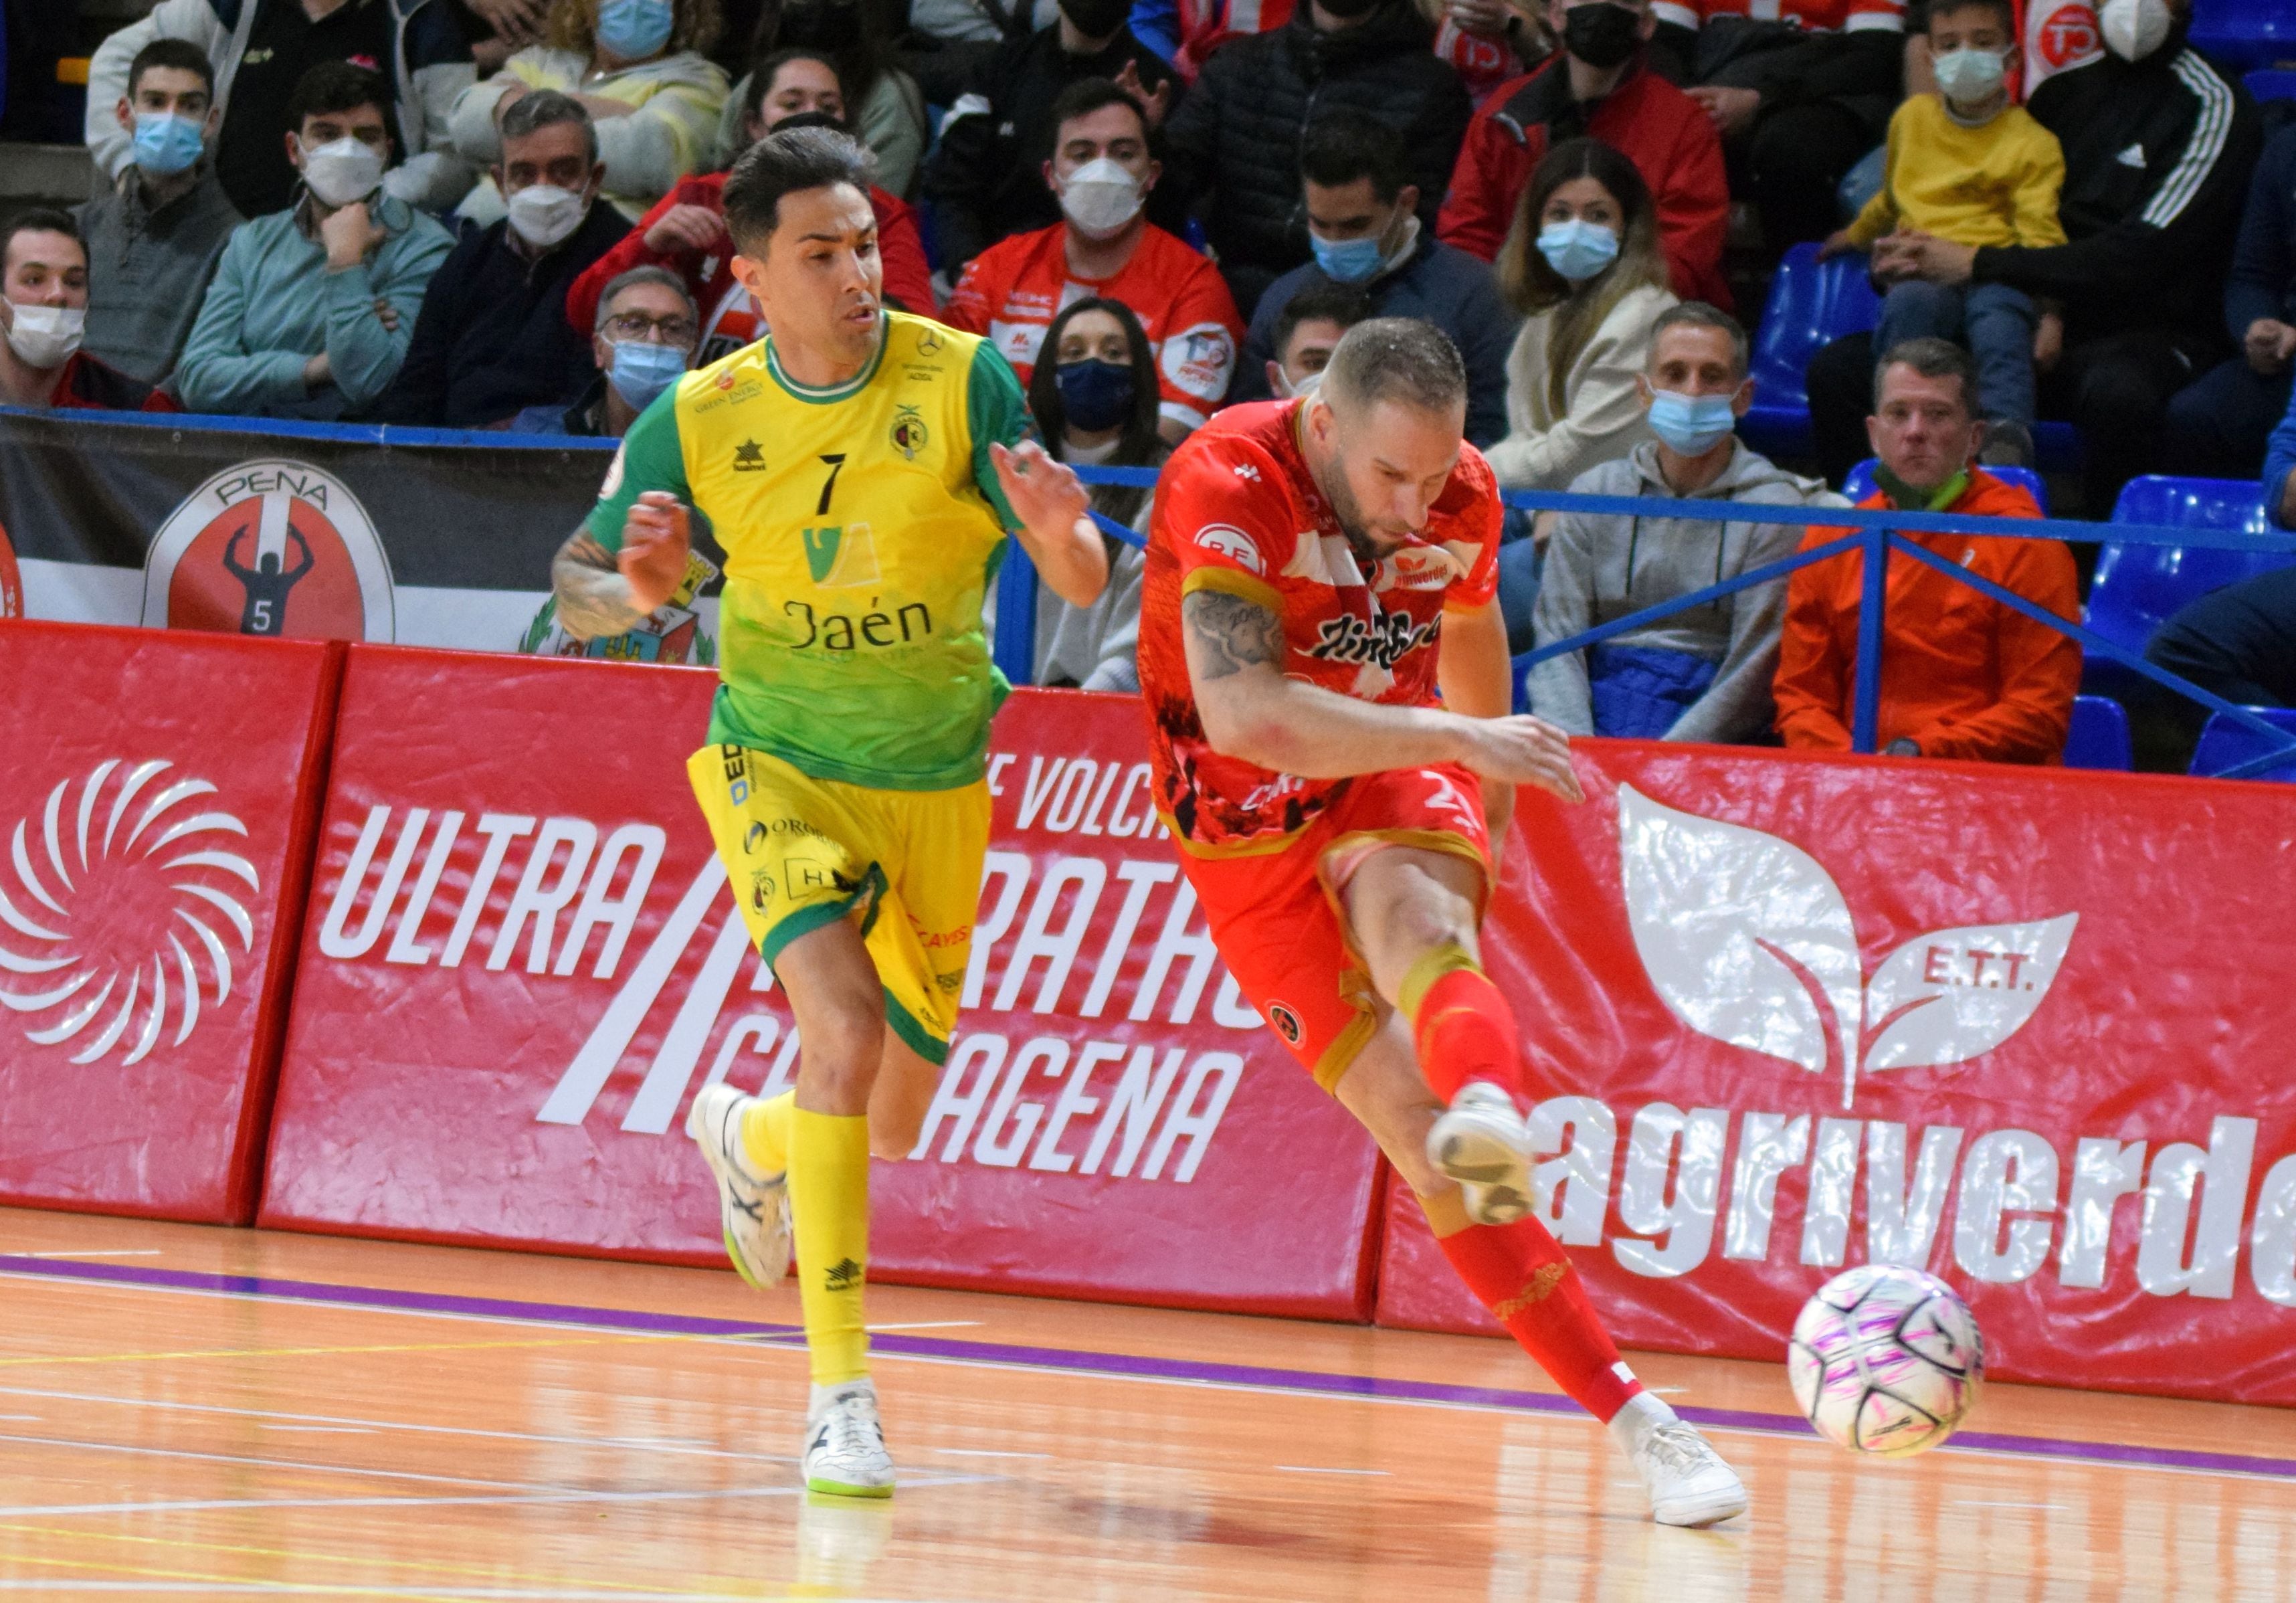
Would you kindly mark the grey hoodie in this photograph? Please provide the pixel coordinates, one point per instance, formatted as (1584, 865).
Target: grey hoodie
(1599, 568)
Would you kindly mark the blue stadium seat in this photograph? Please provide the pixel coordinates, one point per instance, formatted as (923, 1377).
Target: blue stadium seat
(2099, 737)
(2224, 745)
(2136, 588)
(1859, 484)
(1811, 304)
(2244, 33)
(2270, 85)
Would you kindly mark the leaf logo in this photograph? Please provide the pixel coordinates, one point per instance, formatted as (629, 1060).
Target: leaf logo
(105, 934)
(1747, 940)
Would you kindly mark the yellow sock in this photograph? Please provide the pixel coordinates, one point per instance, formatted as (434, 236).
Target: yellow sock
(766, 1132)
(829, 1209)
(1420, 978)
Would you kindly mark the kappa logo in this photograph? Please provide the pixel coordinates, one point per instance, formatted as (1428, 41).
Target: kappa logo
(1226, 540)
(1748, 940)
(271, 547)
(125, 911)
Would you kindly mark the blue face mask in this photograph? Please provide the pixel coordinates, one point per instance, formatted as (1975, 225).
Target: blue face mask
(1578, 250)
(643, 370)
(166, 144)
(1347, 260)
(635, 29)
(1095, 395)
(1692, 424)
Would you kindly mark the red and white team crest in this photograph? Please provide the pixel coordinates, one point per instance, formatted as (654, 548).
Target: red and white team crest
(11, 582)
(2057, 36)
(272, 548)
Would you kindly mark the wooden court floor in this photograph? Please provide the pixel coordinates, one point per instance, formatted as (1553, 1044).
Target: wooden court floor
(188, 1412)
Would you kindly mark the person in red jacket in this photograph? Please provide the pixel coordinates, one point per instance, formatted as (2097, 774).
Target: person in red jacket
(686, 231)
(1599, 84)
(1962, 675)
(42, 311)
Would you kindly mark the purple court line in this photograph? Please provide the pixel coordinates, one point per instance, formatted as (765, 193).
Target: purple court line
(1304, 1381)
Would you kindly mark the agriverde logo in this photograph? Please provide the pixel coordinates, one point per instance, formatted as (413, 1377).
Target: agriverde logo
(131, 901)
(1748, 939)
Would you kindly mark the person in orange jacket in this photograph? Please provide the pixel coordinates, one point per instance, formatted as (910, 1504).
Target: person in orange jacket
(1962, 675)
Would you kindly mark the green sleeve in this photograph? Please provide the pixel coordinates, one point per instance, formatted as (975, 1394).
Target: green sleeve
(652, 457)
(997, 410)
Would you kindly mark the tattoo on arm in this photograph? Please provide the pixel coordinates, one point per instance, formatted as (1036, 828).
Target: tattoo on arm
(593, 599)
(1230, 633)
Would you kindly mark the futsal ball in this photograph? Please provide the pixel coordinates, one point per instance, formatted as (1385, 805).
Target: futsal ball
(1885, 1360)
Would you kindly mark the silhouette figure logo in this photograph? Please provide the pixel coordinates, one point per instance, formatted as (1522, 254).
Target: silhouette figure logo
(276, 549)
(123, 911)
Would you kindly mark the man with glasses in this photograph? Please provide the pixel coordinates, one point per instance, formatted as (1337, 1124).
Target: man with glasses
(644, 342)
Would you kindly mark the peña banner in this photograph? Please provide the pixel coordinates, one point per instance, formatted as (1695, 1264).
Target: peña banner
(522, 959)
(2026, 1029)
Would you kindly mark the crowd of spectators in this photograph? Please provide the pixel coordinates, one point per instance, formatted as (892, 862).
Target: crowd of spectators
(507, 214)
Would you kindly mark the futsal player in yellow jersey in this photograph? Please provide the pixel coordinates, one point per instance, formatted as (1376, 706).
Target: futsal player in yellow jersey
(860, 469)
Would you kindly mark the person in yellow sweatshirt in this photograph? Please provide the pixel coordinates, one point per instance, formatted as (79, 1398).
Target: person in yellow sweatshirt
(1966, 165)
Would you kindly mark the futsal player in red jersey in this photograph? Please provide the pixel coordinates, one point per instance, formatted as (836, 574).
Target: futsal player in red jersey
(1318, 571)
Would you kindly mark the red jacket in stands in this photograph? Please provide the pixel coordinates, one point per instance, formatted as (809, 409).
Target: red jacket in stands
(729, 318)
(88, 385)
(1206, 25)
(1663, 131)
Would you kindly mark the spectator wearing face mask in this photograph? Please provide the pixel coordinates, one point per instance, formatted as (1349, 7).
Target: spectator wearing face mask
(883, 108)
(686, 231)
(1966, 165)
(1365, 231)
(312, 309)
(492, 338)
(1702, 674)
(638, 67)
(259, 50)
(1601, 85)
(154, 240)
(1106, 248)
(984, 181)
(642, 343)
(1582, 266)
(43, 313)
(2218, 424)
(1306, 331)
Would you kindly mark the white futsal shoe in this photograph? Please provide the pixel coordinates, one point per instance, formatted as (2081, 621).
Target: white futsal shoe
(845, 1443)
(1688, 1483)
(753, 1207)
(1481, 1142)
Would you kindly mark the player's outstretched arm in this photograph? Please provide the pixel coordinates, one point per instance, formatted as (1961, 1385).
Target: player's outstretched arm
(603, 592)
(1056, 527)
(1250, 710)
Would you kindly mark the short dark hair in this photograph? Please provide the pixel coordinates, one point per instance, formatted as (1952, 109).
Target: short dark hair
(1932, 358)
(540, 108)
(1345, 304)
(2003, 13)
(1086, 95)
(1404, 359)
(1698, 314)
(40, 219)
(633, 278)
(1334, 150)
(180, 55)
(333, 86)
(761, 76)
(783, 163)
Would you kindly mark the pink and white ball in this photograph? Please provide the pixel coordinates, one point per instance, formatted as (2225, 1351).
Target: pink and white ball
(1885, 1360)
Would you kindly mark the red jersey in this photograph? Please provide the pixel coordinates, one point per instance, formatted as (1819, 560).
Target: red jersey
(1238, 510)
(1825, 16)
(1011, 292)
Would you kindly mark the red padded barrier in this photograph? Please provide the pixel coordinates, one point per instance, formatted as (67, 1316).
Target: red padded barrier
(2030, 1029)
(511, 1065)
(158, 795)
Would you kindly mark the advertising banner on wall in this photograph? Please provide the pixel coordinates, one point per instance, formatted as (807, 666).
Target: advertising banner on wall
(522, 960)
(2029, 1029)
(158, 795)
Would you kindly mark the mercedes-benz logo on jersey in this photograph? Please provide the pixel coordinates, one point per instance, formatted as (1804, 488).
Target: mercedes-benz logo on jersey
(121, 908)
(272, 548)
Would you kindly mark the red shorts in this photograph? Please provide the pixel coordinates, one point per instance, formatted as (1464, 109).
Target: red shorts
(1274, 912)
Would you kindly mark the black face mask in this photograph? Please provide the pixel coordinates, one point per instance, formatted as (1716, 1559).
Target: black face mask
(831, 25)
(1096, 19)
(1603, 35)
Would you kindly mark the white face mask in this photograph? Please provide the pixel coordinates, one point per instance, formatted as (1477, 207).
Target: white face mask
(2134, 30)
(342, 171)
(1100, 197)
(542, 214)
(1969, 78)
(44, 336)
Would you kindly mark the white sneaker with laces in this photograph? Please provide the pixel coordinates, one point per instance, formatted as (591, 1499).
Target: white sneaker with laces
(1481, 1142)
(845, 1443)
(753, 1207)
(1688, 1483)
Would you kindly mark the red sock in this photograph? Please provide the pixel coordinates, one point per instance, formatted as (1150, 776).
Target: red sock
(1522, 1275)
(1463, 1030)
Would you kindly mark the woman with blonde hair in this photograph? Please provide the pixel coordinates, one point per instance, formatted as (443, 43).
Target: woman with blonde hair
(638, 67)
(1582, 263)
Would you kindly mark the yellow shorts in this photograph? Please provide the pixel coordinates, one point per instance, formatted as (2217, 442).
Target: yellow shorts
(906, 863)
